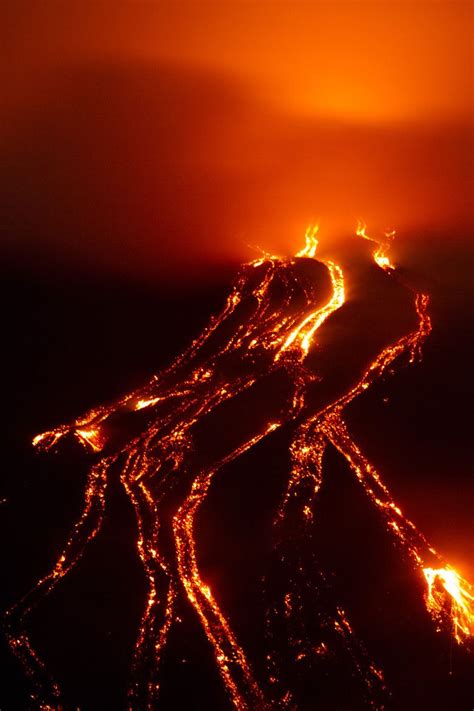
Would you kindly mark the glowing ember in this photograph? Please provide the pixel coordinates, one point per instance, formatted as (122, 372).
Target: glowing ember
(272, 337)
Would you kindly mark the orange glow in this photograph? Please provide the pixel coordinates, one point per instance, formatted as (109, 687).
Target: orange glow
(363, 60)
(342, 108)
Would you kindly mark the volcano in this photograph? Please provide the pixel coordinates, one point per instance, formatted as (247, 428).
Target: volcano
(256, 562)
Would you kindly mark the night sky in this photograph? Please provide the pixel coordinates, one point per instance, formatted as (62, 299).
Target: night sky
(147, 150)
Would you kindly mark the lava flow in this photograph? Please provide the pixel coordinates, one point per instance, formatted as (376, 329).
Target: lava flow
(266, 329)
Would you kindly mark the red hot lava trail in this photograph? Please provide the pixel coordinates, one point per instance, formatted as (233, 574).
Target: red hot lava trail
(268, 325)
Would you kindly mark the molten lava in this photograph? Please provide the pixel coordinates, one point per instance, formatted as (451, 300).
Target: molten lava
(446, 586)
(263, 338)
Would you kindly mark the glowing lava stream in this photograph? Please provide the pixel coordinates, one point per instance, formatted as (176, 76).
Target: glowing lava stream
(265, 338)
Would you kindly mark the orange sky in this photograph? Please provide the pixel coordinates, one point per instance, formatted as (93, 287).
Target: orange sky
(143, 135)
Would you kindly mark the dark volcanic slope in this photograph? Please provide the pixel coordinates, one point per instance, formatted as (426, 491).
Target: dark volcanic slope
(74, 345)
